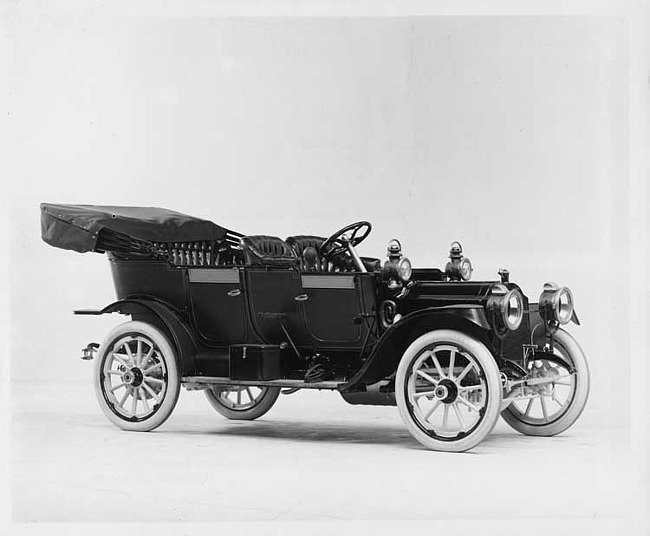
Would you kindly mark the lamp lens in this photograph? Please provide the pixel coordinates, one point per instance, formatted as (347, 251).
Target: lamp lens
(514, 311)
(466, 269)
(564, 308)
(404, 268)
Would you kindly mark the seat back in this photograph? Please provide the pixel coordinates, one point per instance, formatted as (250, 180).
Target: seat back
(302, 242)
(262, 250)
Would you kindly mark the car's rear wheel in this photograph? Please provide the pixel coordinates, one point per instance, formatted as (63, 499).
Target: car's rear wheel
(136, 377)
(551, 408)
(242, 402)
(448, 390)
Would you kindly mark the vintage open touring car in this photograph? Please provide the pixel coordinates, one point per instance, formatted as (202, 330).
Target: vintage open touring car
(245, 318)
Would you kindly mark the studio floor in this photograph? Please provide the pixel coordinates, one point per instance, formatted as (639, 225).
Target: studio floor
(311, 458)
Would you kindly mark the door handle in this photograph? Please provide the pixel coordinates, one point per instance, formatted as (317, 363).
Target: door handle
(302, 297)
(234, 292)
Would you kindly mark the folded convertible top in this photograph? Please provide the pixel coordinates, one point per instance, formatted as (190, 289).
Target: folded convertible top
(100, 228)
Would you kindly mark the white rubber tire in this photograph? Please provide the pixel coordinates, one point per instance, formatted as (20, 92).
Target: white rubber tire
(173, 384)
(263, 405)
(570, 350)
(490, 370)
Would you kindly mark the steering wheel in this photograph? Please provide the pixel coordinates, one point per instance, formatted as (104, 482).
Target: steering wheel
(353, 234)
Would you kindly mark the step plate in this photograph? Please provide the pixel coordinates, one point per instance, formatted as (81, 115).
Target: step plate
(297, 384)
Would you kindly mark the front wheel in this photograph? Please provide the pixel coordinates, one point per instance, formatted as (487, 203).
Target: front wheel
(136, 377)
(448, 390)
(241, 402)
(551, 408)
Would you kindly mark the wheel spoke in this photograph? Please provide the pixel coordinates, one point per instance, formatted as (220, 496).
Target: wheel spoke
(423, 393)
(432, 409)
(153, 380)
(542, 401)
(250, 395)
(556, 400)
(138, 354)
(116, 387)
(146, 358)
(469, 367)
(427, 377)
(452, 358)
(143, 397)
(563, 376)
(437, 364)
(469, 388)
(121, 360)
(445, 417)
(458, 415)
(467, 403)
(529, 406)
(151, 392)
(239, 397)
(130, 354)
(135, 401)
(152, 367)
(126, 395)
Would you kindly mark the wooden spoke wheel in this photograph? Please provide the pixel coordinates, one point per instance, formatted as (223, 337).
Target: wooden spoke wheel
(448, 390)
(136, 377)
(242, 402)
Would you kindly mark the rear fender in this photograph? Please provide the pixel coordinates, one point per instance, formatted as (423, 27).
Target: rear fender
(385, 357)
(163, 316)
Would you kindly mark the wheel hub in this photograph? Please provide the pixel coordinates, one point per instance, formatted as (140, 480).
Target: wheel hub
(446, 391)
(133, 377)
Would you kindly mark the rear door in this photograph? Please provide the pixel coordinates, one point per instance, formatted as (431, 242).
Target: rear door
(217, 303)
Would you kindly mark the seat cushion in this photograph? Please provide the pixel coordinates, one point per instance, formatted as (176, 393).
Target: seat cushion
(262, 250)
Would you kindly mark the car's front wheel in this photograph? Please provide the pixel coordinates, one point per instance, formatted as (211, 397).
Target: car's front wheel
(242, 402)
(136, 377)
(448, 390)
(550, 408)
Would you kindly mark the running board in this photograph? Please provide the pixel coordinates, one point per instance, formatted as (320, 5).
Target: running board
(202, 382)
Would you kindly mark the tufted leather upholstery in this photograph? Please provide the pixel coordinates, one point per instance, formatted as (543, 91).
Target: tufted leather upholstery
(343, 263)
(261, 250)
(302, 242)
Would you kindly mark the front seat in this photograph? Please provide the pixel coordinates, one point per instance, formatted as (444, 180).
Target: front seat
(343, 263)
(262, 250)
(301, 243)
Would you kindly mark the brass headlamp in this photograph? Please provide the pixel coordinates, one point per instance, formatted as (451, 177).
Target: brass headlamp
(556, 303)
(506, 307)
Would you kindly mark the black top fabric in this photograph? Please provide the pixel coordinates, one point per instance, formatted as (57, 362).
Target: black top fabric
(77, 227)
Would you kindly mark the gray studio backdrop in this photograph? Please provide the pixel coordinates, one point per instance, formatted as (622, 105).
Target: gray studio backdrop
(508, 134)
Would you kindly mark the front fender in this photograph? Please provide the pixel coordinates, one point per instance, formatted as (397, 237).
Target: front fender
(162, 315)
(383, 360)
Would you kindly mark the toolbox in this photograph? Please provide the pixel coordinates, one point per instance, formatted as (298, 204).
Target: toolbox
(255, 362)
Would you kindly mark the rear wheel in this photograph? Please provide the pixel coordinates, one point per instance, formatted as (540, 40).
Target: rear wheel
(242, 402)
(448, 390)
(551, 408)
(136, 377)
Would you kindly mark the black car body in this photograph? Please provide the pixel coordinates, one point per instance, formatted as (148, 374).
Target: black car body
(243, 317)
